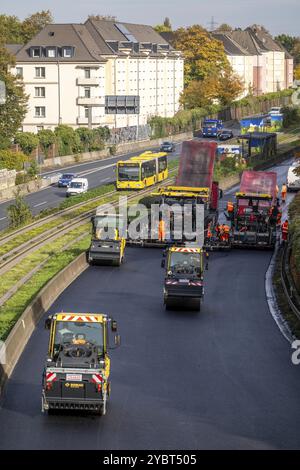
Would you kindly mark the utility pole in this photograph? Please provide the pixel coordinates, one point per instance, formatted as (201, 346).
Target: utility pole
(212, 24)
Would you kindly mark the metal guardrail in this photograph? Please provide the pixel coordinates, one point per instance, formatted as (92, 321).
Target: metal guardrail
(287, 281)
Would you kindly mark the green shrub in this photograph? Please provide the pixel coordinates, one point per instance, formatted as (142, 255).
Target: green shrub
(33, 169)
(291, 116)
(22, 178)
(18, 213)
(12, 160)
(113, 150)
(27, 141)
(68, 140)
(46, 138)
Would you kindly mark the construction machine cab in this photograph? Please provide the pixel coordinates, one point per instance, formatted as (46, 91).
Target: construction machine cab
(77, 369)
(184, 267)
(108, 239)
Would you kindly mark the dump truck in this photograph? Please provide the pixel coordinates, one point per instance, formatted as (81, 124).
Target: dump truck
(183, 284)
(254, 217)
(77, 368)
(194, 186)
(108, 241)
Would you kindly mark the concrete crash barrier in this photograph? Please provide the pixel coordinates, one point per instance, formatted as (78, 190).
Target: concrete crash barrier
(121, 149)
(12, 348)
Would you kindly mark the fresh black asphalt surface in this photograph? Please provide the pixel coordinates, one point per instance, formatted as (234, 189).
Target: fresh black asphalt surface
(221, 378)
(218, 379)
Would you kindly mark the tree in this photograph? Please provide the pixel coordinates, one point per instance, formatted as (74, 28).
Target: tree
(10, 29)
(19, 213)
(224, 27)
(103, 17)
(33, 24)
(27, 141)
(286, 41)
(68, 140)
(199, 93)
(86, 137)
(12, 113)
(229, 87)
(295, 52)
(46, 139)
(204, 55)
(14, 31)
(166, 27)
(12, 160)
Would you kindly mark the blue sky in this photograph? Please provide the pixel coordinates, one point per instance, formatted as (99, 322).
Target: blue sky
(276, 15)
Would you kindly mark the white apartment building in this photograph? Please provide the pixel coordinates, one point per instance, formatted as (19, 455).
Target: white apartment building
(261, 63)
(98, 73)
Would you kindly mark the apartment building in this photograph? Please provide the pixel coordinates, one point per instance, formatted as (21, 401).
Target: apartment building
(262, 64)
(98, 73)
(272, 66)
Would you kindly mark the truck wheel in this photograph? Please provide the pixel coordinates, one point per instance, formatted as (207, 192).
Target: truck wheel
(197, 305)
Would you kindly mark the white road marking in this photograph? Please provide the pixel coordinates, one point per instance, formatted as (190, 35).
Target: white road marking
(94, 170)
(3, 218)
(105, 179)
(40, 204)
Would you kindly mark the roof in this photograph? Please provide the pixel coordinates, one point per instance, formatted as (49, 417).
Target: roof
(75, 35)
(112, 31)
(264, 39)
(168, 36)
(13, 48)
(230, 46)
(246, 41)
(94, 40)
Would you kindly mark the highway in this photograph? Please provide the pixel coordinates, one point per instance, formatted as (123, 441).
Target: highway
(218, 379)
(98, 173)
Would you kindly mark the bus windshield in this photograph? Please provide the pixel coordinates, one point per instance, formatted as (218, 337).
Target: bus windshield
(128, 172)
(185, 263)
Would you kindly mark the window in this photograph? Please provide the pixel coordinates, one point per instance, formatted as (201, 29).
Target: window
(51, 52)
(86, 112)
(148, 169)
(40, 72)
(67, 51)
(40, 111)
(36, 52)
(40, 92)
(39, 128)
(87, 73)
(19, 72)
(87, 92)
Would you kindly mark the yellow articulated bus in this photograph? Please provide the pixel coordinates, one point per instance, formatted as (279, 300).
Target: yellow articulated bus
(140, 172)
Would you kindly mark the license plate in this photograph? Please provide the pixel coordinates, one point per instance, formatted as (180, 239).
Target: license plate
(184, 281)
(74, 377)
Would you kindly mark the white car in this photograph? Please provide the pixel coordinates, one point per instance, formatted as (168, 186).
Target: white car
(77, 186)
(275, 110)
(293, 180)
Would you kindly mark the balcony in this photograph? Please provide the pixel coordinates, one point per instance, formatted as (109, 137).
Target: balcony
(92, 81)
(92, 101)
(84, 120)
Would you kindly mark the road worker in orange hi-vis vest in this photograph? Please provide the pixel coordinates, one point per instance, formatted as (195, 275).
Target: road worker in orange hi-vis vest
(283, 192)
(230, 210)
(161, 230)
(285, 231)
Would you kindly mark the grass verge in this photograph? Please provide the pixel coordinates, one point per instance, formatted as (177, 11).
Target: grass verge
(15, 306)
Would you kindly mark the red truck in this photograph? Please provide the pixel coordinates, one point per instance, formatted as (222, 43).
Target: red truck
(254, 217)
